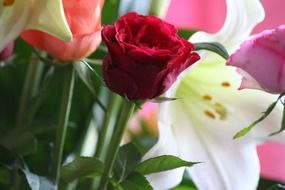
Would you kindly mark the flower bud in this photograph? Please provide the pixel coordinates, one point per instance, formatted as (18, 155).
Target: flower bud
(261, 61)
(84, 20)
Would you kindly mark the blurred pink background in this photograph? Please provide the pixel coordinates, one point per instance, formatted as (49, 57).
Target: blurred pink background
(209, 15)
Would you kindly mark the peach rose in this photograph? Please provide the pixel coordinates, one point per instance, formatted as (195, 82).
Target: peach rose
(84, 20)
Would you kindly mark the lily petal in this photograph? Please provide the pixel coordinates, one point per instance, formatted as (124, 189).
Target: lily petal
(207, 131)
(217, 154)
(242, 17)
(49, 17)
(166, 145)
(12, 20)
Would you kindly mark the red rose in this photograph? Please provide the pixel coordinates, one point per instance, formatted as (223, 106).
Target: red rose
(145, 56)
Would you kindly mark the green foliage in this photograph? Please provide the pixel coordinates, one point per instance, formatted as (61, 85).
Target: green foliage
(215, 47)
(186, 184)
(85, 73)
(163, 99)
(136, 181)
(5, 176)
(25, 143)
(162, 163)
(184, 188)
(110, 11)
(82, 167)
(186, 34)
(247, 129)
(266, 184)
(127, 159)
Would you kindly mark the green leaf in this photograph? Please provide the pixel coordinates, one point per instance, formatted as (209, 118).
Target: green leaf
(6, 156)
(276, 187)
(37, 182)
(144, 142)
(5, 176)
(25, 143)
(23, 51)
(110, 6)
(186, 184)
(186, 34)
(85, 75)
(82, 167)
(215, 47)
(128, 158)
(163, 99)
(92, 70)
(162, 163)
(245, 130)
(136, 181)
(184, 188)
(282, 124)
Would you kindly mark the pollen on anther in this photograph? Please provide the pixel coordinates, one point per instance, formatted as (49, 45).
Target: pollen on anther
(220, 110)
(8, 2)
(219, 105)
(226, 84)
(209, 114)
(207, 97)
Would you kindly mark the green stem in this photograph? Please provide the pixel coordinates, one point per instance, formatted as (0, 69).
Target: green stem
(125, 113)
(34, 73)
(283, 119)
(104, 137)
(65, 106)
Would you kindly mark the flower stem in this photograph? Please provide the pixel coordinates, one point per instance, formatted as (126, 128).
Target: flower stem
(125, 113)
(65, 106)
(31, 84)
(104, 137)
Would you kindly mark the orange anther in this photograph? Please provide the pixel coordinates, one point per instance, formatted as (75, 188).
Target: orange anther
(226, 84)
(209, 114)
(8, 2)
(218, 105)
(207, 97)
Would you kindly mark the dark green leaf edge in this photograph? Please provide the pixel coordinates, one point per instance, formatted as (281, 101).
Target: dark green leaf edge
(247, 129)
(215, 47)
(162, 163)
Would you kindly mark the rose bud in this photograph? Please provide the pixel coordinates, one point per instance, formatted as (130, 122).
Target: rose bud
(7, 52)
(261, 61)
(84, 20)
(145, 56)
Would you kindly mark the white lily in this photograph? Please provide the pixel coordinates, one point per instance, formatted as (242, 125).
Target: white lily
(201, 125)
(44, 15)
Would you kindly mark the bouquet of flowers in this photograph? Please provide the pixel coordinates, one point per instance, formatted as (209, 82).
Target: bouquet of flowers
(84, 84)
